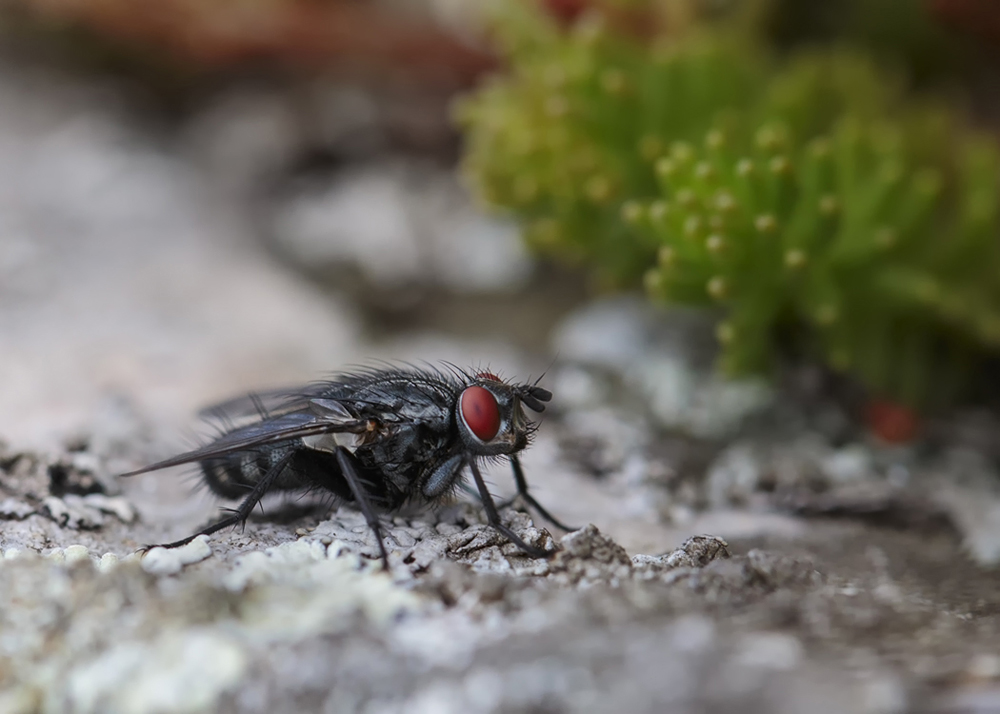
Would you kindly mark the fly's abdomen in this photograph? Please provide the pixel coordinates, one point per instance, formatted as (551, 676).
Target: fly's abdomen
(234, 476)
(301, 467)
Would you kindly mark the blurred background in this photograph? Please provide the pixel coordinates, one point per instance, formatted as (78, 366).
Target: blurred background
(754, 245)
(688, 211)
(200, 201)
(700, 216)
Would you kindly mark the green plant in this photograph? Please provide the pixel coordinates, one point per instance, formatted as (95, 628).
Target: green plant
(809, 194)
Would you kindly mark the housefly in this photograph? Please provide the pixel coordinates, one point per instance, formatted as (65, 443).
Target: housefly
(378, 439)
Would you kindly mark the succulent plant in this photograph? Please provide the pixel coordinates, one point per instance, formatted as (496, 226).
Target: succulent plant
(807, 196)
(569, 134)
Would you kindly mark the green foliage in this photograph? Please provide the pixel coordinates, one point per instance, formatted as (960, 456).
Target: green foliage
(806, 194)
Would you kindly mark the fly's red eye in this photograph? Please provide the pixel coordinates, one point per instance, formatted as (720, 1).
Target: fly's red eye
(480, 412)
(488, 375)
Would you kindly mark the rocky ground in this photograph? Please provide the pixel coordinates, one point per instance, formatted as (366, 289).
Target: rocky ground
(742, 547)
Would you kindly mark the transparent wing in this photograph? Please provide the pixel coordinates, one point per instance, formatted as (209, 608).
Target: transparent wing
(321, 416)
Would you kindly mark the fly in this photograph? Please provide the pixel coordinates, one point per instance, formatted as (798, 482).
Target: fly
(378, 439)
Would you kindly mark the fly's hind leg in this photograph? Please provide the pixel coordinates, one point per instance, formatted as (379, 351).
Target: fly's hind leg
(240, 514)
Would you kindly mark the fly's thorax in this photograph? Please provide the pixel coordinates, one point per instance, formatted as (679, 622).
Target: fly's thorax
(490, 416)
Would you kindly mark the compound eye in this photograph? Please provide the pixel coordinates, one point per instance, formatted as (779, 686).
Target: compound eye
(480, 412)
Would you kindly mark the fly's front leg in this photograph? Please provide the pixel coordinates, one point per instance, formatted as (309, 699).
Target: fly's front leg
(522, 491)
(493, 518)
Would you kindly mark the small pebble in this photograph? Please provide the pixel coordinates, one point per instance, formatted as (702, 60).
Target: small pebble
(76, 553)
(195, 551)
(58, 555)
(160, 561)
(108, 562)
(163, 561)
(11, 553)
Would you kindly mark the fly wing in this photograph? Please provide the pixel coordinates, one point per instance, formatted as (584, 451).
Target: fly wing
(262, 405)
(321, 416)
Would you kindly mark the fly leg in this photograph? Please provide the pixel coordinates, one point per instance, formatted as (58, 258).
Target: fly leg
(346, 462)
(493, 518)
(242, 512)
(522, 491)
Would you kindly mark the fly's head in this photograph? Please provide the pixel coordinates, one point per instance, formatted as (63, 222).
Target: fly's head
(490, 414)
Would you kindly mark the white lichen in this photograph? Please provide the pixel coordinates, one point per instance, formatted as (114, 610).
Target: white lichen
(168, 561)
(179, 672)
(300, 588)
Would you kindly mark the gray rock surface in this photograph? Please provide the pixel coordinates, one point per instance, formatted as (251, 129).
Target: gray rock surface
(756, 566)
